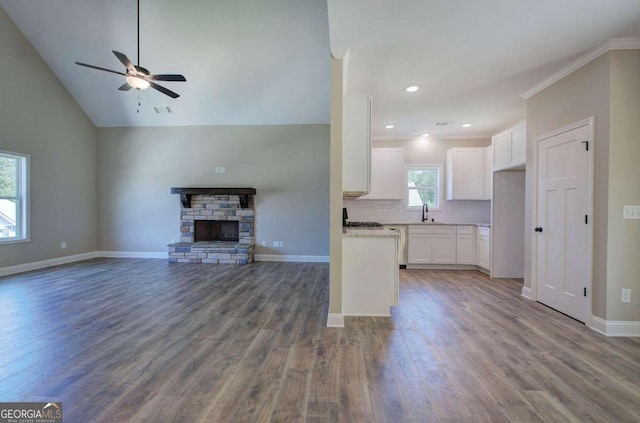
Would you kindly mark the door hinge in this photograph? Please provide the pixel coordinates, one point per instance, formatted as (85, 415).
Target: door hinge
(586, 144)
(585, 291)
(586, 219)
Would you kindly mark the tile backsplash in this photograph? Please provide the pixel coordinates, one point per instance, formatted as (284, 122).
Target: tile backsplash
(390, 211)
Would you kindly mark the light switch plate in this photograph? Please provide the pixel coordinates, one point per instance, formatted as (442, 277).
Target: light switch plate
(631, 212)
(626, 296)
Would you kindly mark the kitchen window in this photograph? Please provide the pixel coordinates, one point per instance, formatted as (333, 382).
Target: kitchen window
(13, 197)
(423, 186)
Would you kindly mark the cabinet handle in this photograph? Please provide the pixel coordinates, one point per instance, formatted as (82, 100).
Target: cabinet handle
(538, 229)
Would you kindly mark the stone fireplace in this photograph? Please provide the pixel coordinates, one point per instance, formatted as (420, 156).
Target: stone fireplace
(216, 226)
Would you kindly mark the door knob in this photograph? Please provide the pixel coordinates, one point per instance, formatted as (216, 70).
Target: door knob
(538, 229)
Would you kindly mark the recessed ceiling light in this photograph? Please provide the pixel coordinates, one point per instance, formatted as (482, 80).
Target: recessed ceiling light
(413, 89)
(389, 126)
(466, 125)
(425, 135)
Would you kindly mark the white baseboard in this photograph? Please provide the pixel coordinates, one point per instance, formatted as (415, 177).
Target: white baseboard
(335, 320)
(36, 265)
(299, 259)
(615, 327)
(133, 254)
(527, 293)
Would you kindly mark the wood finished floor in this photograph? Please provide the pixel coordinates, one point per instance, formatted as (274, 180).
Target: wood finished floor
(125, 340)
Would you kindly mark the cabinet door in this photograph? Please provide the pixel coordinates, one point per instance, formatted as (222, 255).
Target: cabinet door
(375, 193)
(518, 145)
(501, 150)
(457, 174)
(488, 173)
(392, 173)
(465, 251)
(356, 143)
(443, 249)
(475, 174)
(484, 252)
(419, 248)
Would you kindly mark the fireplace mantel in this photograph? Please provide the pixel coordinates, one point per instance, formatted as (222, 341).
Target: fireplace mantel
(186, 193)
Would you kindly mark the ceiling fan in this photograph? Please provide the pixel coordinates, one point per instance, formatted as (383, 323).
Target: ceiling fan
(138, 77)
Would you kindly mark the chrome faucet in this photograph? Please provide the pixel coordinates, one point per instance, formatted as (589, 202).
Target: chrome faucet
(425, 212)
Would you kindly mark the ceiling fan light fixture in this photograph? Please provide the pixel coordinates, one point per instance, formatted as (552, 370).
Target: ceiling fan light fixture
(137, 83)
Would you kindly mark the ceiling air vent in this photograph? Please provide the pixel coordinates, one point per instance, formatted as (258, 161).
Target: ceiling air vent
(442, 123)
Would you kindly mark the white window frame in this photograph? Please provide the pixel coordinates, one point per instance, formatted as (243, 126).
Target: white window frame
(22, 198)
(439, 196)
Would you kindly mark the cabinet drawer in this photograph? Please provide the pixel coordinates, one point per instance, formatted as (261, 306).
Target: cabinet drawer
(421, 229)
(484, 231)
(464, 230)
(443, 230)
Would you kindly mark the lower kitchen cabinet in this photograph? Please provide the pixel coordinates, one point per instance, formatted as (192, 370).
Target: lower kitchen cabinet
(432, 244)
(370, 275)
(466, 245)
(483, 245)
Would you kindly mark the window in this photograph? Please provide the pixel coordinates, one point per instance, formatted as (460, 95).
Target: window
(13, 197)
(423, 186)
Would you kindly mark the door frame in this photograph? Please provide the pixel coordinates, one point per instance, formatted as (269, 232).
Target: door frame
(590, 123)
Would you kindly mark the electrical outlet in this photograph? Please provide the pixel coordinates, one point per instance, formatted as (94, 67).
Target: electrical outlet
(63, 245)
(220, 169)
(626, 296)
(631, 212)
(263, 243)
(280, 244)
(173, 241)
(275, 244)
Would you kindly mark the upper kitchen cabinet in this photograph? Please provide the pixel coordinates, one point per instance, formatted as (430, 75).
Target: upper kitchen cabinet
(356, 145)
(466, 174)
(387, 174)
(509, 148)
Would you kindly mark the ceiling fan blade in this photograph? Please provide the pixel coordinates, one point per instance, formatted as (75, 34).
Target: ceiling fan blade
(99, 68)
(167, 78)
(163, 90)
(125, 61)
(125, 87)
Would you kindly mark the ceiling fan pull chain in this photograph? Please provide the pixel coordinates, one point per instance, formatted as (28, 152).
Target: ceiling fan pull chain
(139, 102)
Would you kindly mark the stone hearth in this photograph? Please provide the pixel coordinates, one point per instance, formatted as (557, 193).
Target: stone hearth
(215, 207)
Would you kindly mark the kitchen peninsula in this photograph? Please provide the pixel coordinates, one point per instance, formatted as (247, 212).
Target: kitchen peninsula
(370, 271)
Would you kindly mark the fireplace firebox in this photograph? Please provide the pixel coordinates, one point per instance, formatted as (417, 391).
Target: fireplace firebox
(215, 230)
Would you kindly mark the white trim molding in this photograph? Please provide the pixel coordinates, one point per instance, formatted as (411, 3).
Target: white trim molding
(527, 293)
(290, 258)
(133, 254)
(37, 265)
(335, 320)
(615, 327)
(585, 59)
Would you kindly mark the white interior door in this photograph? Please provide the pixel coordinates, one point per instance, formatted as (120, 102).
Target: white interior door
(563, 256)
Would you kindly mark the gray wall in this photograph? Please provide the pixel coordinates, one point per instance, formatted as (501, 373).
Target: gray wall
(40, 118)
(609, 89)
(288, 165)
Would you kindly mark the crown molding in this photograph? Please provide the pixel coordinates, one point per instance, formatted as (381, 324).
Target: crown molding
(590, 56)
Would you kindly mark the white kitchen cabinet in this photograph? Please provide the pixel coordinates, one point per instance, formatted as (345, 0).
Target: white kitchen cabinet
(466, 174)
(432, 244)
(466, 245)
(370, 275)
(356, 145)
(488, 173)
(483, 245)
(387, 174)
(510, 148)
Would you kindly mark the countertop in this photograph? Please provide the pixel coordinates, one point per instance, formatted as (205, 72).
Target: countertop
(369, 233)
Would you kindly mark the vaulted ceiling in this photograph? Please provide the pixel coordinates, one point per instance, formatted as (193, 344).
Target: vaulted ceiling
(255, 62)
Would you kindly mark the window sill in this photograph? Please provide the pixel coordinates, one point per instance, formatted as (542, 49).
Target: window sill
(14, 241)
